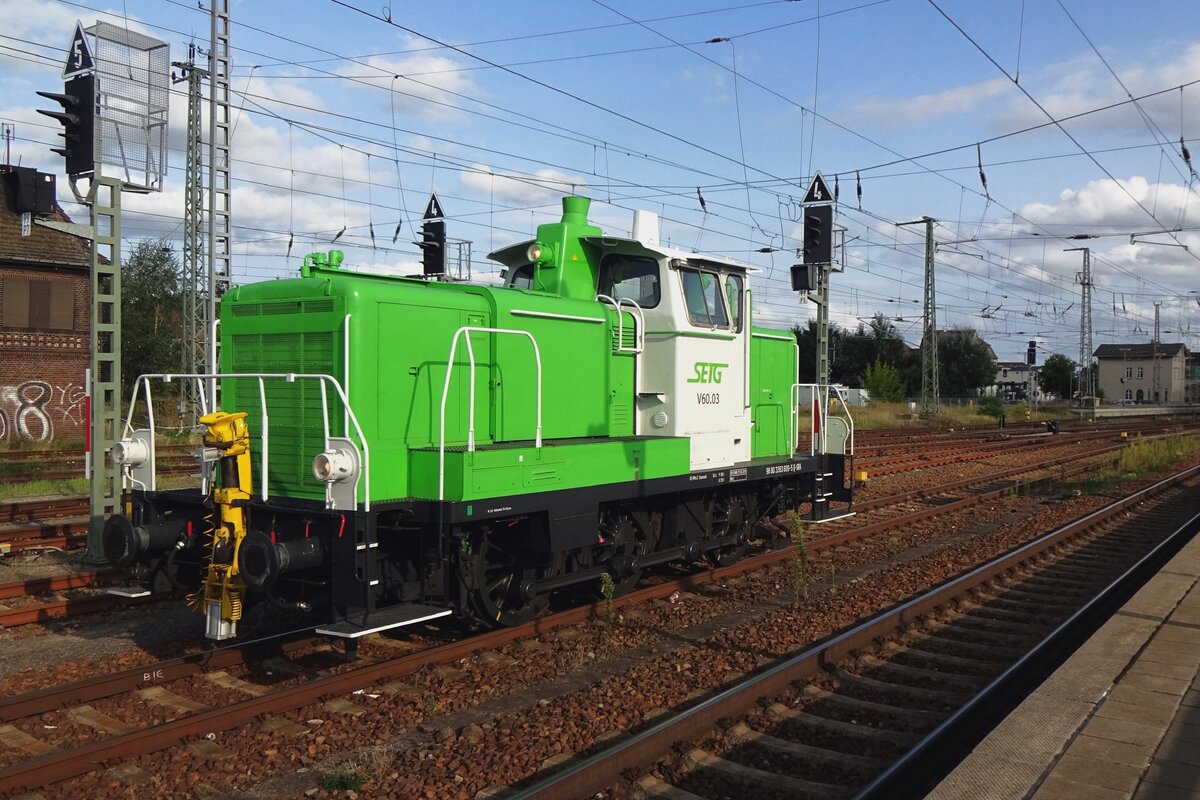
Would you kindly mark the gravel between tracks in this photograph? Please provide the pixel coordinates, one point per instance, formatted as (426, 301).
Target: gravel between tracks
(558, 695)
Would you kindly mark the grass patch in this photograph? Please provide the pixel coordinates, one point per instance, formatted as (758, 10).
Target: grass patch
(1142, 456)
(352, 779)
(51, 446)
(72, 487)
(1139, 458)
(22, 470)
(894, 415)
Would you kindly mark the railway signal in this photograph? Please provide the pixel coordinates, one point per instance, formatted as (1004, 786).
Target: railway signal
(433, 239)
(433, 247)
(78, 117)
(818, 234)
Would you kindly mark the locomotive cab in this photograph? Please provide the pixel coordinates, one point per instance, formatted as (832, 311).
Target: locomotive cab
(693, 369)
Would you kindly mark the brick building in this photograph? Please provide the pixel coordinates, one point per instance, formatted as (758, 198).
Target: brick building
(44, 308)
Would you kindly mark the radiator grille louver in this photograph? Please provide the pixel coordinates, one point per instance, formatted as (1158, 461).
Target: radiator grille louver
(282, 307)
(294, 409)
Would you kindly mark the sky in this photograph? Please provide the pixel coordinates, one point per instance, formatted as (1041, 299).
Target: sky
(1020, 126)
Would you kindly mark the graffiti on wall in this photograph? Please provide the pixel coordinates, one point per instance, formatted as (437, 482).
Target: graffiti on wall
(29, 410)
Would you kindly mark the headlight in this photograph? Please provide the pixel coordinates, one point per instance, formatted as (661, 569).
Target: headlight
(334, 466)
(130, 452)
(540, 253)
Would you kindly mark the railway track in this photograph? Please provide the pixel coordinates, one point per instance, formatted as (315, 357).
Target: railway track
(27, 510)
(873, 711)
(143, 742)
(873, 518)
(174, 682)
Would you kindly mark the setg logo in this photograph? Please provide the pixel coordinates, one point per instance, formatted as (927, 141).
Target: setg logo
(707, 372)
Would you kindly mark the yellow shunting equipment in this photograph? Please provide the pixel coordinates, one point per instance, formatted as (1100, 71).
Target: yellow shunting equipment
(228, 438)
(860, 476)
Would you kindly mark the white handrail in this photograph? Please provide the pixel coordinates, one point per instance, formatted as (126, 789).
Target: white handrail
(849, 419)
(212, 365)
(468, 330)
(639, 327)
(748, 333)
(794, 418)
(819, 393)
(346, 371)
(640, 323)
(289, 377)
(266, 432)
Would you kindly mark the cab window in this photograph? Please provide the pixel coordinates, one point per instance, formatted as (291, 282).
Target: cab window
(521, 277)
(630, 278)
(702, 295)
(733, 290)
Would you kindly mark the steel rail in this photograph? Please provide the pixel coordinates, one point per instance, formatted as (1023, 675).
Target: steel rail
(27, 510)
(98, 687)
(58, 583)
(61, 765)
(947, 737)
(57, 609)
(601, 770)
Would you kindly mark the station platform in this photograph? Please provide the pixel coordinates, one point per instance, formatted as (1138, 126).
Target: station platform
(1119, 719)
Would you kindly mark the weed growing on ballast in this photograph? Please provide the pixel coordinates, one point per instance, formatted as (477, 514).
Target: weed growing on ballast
(607, 587)
(800, 559)
(344, 778)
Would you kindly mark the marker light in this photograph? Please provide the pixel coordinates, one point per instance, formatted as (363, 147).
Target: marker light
(130, 452)
(334, 466)
(534, 253)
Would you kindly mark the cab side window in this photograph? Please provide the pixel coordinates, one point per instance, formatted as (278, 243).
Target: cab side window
(702, 295)
(630, 278)
(521, 277)
(734, 291)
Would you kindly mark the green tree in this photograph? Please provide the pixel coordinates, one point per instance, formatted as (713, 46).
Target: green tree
(806, 340)
(991, 406)
(882, 382)
(851, 352)
(1056, 375)
(151, 311)
(967, 363)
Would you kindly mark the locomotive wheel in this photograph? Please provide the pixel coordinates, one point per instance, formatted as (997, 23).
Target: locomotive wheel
(624, 544)
(731, 516)
(501, 576)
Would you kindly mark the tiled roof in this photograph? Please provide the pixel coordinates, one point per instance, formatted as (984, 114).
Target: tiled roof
(43, 246)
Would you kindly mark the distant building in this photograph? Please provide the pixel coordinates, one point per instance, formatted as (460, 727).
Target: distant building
(1143, 373)
(44, 310)
(1013, 382)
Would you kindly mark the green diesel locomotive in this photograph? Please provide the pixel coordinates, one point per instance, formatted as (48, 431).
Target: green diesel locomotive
(393, 450)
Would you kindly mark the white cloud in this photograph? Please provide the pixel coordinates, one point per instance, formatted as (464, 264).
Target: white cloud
(52, 23)
(1120, 204)
(1117, 263)
(544, 186)
(890, 112)
(1083, 84)
(420, 83)
(284, 94)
